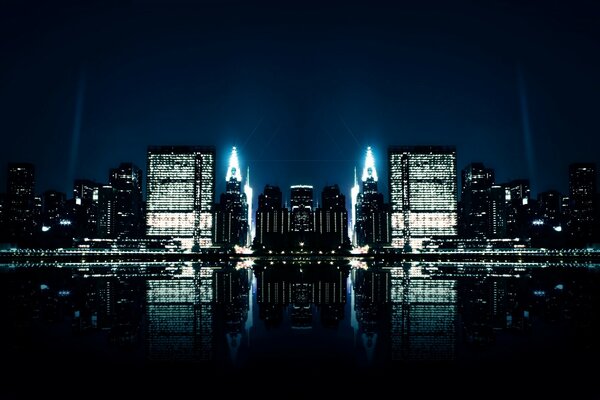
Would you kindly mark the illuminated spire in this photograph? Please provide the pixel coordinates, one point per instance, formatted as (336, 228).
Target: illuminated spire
(248, 192)
(234, 167)
(353, 198)
(369, 171)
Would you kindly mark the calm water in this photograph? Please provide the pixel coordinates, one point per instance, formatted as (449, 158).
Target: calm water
(299, 317)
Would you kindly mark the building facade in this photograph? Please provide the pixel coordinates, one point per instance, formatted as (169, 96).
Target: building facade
(423, 194)
(126, 181)
(477, 181)
(231, 214)
(20, 199)
(331, 219)
(372, 214)
(180, 194)
(582, 197)
(272, 219)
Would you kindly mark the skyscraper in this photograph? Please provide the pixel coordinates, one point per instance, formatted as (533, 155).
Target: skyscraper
(548, 207)
(126, 181)
(331, 219)
(54, 207)
(301, 199)
(106, 211)
(231, 214)
(249, 196)
(422, 185)
(272, 220)
(518, 208)
(372, 215)
(180, 191)
(582, 194)
(20, 200)
(477, 182)
(85, 207)
(497, 211)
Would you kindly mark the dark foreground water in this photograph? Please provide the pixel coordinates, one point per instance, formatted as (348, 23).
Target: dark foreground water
(169, 326)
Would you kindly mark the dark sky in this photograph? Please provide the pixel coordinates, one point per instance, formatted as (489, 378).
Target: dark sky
(299, 87)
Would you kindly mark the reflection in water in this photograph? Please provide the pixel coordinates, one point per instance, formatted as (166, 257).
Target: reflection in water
(385, 315)
(423, 315)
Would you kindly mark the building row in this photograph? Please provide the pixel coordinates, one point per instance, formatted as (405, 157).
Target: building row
(423, 207)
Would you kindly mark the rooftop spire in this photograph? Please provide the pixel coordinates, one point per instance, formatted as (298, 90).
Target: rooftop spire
(369, 171)
(234, 167)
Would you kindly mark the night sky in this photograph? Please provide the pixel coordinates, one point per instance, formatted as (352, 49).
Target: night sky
(300, 88)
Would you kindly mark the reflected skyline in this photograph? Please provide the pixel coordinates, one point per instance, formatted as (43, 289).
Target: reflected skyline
(389, 316)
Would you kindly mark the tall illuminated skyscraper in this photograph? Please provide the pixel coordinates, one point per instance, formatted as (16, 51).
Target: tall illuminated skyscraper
(423, 191)
(372, 225)
(231, 214)
(180, 192)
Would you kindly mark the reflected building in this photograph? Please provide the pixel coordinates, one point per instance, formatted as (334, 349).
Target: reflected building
(128, 217)
(372, 223)
(423, 191)
(180, 191)
(296, 289)
(371, 299)
(179, 317)
(231, 214)
(423, 315)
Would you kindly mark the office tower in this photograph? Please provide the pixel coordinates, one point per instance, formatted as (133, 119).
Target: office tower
(55, 204)
(548, 208)
(180, 191)
(422, 185)
(249, 193)
(85, 207)
(331, 219)
(126, 181)
(20, 198)
(231, 214)
(497, 211)
(301, 200)
(477, 182)
(372, 215)
(106, 211)
(272, 220)
(518, 212)
(582, 194)
(38, 210)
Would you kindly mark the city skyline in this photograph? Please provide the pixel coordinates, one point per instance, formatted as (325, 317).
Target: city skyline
(511, 85)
